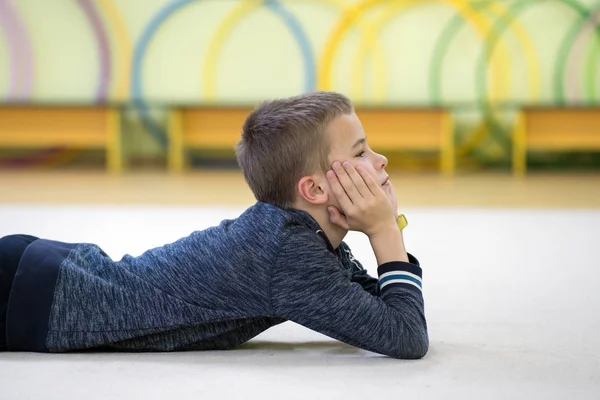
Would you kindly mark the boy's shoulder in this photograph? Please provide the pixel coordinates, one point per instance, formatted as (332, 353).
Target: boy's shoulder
(270, 215)
(293, 235)
(279, 224)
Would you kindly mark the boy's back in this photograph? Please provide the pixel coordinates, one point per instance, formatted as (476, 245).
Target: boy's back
(206, 290)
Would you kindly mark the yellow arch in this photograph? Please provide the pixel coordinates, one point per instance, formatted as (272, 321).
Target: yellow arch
(227, 25)
(479, 133)
(351, 14)
(501, 86)
(482, 28)
(375, 27)
(533, 64)
(120, 89)
(467, 12)
(368, 42)
(210, 61)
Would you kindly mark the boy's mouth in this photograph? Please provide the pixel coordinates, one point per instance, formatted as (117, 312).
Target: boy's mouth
(387, 180)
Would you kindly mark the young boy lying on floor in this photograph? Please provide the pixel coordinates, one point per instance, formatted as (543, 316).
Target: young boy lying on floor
(307, 161)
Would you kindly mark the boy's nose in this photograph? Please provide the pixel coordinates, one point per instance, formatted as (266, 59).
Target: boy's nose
(383, 161)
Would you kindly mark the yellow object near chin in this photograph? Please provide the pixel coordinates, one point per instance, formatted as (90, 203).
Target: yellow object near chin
(401, 221)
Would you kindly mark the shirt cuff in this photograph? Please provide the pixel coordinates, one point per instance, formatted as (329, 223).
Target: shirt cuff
(400, 274)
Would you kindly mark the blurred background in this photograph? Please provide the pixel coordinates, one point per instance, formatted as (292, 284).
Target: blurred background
(159, 85)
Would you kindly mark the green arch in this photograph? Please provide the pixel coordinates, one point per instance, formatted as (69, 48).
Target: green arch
(563, 54)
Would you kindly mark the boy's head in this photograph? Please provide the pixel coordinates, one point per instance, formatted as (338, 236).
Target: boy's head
(284, 140)
(288, 144)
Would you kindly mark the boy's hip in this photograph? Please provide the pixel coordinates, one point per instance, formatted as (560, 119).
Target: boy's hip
(32, 294)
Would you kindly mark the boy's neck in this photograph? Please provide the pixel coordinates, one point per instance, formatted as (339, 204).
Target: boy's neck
(334, 233)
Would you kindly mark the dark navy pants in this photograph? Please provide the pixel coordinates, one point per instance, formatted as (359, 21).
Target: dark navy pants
(11, 249)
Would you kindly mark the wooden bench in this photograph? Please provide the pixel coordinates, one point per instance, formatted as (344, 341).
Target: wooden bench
(212, 128)
(428, 129)
(554, 129)
(386, 129)
(78, 127)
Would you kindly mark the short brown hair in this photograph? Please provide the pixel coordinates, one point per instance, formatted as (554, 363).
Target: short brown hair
(283, 140)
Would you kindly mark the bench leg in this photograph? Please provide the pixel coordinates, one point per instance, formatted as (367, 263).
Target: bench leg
(447, 155)
(519, 159)
(114, 157)
(175, 157)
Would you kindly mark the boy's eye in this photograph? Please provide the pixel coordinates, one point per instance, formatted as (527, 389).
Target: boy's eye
(360, 154)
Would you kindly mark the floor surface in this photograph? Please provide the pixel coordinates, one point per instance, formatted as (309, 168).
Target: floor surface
(512, 300)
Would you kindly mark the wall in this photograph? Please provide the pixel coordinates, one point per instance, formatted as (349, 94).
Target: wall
(484, 59)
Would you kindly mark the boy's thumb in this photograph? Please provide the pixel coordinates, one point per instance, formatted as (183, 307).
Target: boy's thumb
(331, 211)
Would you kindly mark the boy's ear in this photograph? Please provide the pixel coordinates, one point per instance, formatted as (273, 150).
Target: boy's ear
(311, 189)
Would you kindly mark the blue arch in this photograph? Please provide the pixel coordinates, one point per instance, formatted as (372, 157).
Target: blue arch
(137, 93)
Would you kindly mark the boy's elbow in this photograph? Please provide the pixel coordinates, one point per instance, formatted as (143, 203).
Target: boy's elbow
(418, 351)
(413, 348)
(412, 353)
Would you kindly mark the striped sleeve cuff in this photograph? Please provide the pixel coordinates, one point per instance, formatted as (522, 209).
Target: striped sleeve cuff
(407, 275)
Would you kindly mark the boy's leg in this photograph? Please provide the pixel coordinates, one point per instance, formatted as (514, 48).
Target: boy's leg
(11, 250)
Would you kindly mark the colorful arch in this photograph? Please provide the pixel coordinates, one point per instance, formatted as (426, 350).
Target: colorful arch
(489, 123)
(103, 49)
(136, 90)
(505, 21)
(349, 18)
(20, 53)
(141, 47)
(227, 26)
(466, 13)
(6, 23)
(515, 10)
(478, 134)
(369, 43)
(481, 79)
(55, 156)
(21, 72)
(452, 28)
(572, 48)
(120, 87)
(592, 71)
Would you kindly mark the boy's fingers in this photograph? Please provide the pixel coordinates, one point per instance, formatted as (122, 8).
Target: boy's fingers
(369, 181)
(337, 218)
(346, 182)
(338, 191)
(358, 180)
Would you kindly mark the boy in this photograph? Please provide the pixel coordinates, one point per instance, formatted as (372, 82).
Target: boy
(282, 259)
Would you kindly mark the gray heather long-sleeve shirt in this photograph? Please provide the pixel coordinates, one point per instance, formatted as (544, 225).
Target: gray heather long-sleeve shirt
(214, 289)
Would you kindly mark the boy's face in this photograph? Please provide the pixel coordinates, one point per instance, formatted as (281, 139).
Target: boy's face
(349, 143)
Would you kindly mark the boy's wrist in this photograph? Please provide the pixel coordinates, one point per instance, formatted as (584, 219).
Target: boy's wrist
(384, 230)
(388, 245)
(400, 222)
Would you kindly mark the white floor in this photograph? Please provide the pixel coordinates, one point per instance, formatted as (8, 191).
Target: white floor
(512, 299)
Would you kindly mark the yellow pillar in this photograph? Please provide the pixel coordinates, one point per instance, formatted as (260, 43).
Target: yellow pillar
(114, 157)
(447, 154)
(519, 161)
(175, 156)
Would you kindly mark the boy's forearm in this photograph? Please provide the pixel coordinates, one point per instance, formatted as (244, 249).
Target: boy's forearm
(388, 246)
